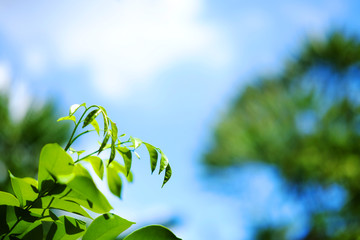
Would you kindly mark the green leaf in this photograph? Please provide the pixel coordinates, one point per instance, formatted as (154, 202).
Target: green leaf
(42, 214)
(163, 162)
(72, 118)
(103, 110)
(95, 124)
(114, 181)
(8, 199)
(152, 232)
(54, 161)
(51, 187)
(66, 228)
(91, 116)
(136, 142)
(80, 152)
(9, 216)
(75, 107)
(121, 169)
(114, 132)
(80, 170)
(167, 176)
(85, 192)
(126, 154)
(103, 144)
(105, 118)
(34, 231)
(107, 226)
(153, 156)
(72, 151)
(57, 203)
(4, 220)
(97, 165)
(25, 189)
(112, 153)
(24, 214)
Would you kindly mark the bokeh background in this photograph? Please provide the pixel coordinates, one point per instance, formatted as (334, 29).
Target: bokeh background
(254, 103)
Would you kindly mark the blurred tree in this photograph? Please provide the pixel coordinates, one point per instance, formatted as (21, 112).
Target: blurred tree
(305, 121)
(21, 141)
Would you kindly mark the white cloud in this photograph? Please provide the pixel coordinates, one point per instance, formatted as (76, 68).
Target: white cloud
(125, 44)
(5, 75)
(19, 96)
(19, 100)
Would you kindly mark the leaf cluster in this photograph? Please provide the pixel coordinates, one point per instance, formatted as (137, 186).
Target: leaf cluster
(65, 184)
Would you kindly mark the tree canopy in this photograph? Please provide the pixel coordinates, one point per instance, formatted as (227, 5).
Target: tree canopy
(306, 122)
(22, 140)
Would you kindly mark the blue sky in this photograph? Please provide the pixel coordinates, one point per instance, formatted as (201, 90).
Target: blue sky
(165, 70)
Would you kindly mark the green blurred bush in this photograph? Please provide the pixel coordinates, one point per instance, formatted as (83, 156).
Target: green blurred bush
(22, 140)
(306, 122)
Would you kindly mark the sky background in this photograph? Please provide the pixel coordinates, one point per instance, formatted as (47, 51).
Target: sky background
(166, 71)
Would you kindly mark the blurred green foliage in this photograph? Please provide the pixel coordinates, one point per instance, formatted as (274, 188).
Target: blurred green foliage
(22, 140)
(306, 122)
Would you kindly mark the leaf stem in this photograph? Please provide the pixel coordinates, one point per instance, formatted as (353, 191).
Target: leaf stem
(88, 155)
(75, 128)
(87, 131)
(48, 207)
(80, 159)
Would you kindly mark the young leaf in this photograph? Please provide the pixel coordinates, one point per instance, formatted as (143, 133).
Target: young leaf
(95, 124)
(112, 153)
(24, 189)
(8, 199)
(152, 232)
(103, 144)
(97, 165)
(74, 108)
(90, 117)
(114, 132)
(167, 176)
(126, 154)
(163, 162)
(103, 110)
(153, 156)
(121, 169)
(136, 142)
(107, 226)
(105, 118)
(114, 181)
(72, 151)
(54, 161)
(72, 118)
